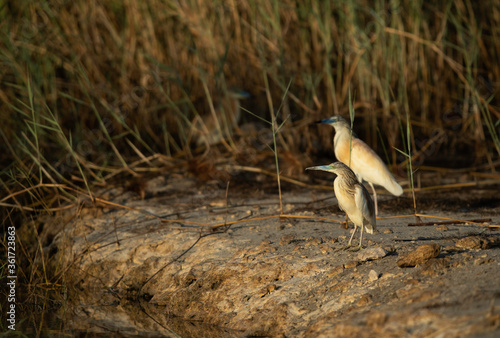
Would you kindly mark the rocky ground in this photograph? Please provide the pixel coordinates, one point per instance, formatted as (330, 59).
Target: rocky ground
(257, 274)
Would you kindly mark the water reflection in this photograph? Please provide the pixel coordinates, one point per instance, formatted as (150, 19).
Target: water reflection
(97, 313)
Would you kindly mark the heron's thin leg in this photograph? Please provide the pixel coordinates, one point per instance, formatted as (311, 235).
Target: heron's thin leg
(352, 236)
(359, 247)
(374, 198)
(348, 246)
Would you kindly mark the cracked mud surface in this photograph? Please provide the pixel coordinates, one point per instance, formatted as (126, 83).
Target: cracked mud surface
(271, 276)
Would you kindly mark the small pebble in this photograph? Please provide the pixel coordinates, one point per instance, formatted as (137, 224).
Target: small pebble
(441, 227)
(351, 264)
(371, 254)
(373, 275)
(421, 255)
(477, 242)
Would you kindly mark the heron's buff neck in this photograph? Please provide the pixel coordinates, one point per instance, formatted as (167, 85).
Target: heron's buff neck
(340, 125)
(347, 181)
(342, 134)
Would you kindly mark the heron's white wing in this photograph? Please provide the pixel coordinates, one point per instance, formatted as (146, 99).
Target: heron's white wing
(361, 201)
(365, 205)
(370, 167)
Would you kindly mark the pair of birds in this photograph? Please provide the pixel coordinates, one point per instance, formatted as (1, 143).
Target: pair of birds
(358, 163)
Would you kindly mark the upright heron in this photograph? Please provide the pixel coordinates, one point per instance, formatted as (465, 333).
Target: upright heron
(365, 163)
(353, 198)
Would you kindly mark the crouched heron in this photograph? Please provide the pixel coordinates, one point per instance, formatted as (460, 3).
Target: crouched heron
(353, 198)
(365, 163)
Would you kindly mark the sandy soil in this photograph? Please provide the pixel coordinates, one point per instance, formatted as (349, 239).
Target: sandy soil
(137, 274)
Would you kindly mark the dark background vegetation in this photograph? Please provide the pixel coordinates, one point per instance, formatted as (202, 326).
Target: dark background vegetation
(104, 92)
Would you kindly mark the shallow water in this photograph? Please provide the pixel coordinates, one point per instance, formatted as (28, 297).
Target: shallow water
(103, 314)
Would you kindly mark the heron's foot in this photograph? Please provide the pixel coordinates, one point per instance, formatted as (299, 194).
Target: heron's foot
(355, 248)
(349, 247)
(343, 248)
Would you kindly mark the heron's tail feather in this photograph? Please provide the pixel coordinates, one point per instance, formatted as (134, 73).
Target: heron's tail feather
(394, 188)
